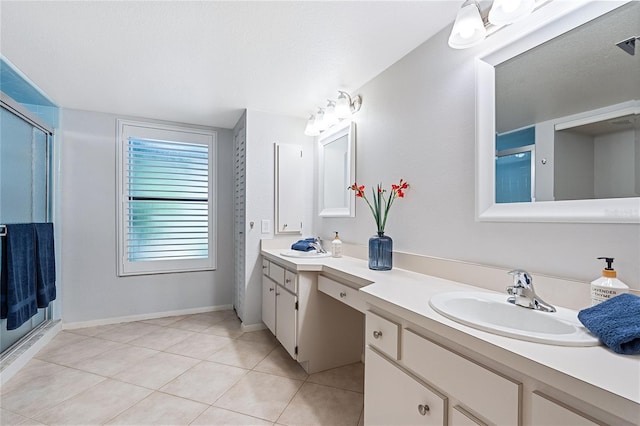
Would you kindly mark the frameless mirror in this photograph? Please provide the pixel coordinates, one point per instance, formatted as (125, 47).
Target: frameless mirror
(558, 129)
(337, 171)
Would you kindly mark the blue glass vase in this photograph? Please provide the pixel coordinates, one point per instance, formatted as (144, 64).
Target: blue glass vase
(380, 252)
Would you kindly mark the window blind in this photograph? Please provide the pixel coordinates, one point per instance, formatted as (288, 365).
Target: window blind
(167, 189)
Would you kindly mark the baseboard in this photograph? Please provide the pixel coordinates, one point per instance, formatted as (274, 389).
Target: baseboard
(141, 317)
(13, 363)
(253, 327)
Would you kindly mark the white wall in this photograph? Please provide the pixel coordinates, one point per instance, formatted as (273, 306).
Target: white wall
(574, 166)
(263, 130)
(418, 123)
(91, 288)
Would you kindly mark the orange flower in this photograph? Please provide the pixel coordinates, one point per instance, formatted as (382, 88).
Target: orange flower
(381, 204)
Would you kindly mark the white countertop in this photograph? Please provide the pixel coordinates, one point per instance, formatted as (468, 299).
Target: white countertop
(406, 294)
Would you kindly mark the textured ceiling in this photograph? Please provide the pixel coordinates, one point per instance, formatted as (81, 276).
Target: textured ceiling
(203, 62)
(579, 71)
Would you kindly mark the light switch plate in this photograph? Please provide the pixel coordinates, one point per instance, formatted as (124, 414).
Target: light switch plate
(266, 226)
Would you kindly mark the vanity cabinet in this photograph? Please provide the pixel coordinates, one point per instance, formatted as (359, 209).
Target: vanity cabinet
(279, 305)
(316, 330)
(477, 394)
(393, 397)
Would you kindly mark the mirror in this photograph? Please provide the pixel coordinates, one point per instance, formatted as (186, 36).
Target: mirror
(337, 171)
(558, 134)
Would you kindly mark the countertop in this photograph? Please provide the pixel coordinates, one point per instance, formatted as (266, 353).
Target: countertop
(406, 294)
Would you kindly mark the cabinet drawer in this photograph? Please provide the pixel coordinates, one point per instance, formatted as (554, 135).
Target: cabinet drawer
(545, 411)
(342, 292)
(460, 417)
(276, 273)
(382, 334)
(392, 397)
(291, 281)
(265, 267)
(481, 390)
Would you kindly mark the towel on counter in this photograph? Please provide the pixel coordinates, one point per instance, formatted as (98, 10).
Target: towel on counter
(45, 264)
(304, 245)
(616, 322)
(18, 277)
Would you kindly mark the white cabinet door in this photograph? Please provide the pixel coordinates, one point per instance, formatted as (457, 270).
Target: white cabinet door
(392, 397)
(269, 303)
(286, 320)
(289, 189)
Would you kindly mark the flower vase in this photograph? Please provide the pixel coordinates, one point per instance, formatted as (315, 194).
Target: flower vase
(380, 251)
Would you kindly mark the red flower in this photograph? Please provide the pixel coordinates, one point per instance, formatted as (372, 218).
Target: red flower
(381, 203)
(400, 193)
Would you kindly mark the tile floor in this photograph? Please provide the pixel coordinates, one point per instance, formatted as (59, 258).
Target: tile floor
(188, 370)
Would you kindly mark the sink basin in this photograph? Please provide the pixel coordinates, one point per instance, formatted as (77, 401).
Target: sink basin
(492, 313)
(305, 254)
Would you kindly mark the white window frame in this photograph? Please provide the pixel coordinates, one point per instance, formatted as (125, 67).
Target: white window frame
(156, 131)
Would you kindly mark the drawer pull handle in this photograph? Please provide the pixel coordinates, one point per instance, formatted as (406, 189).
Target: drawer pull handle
(264, 266)
(271, 289)
(277, 294)
(377, 334)
(423, 409)
(288, 280)
(343, 294)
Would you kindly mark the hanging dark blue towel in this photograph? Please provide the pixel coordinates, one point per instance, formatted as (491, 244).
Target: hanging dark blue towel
(18, 278)
(304, 245)
(45, 264)
(616, 322)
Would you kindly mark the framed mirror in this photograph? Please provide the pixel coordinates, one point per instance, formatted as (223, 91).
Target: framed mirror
(552, 111)
(337, 171)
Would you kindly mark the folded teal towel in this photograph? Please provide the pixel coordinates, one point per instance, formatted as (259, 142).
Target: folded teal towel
(304, 245)
(616, 322)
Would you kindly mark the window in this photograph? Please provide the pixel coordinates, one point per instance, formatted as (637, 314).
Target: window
(166, 198)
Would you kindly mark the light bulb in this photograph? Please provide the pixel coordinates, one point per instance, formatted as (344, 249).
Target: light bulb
(319, 122)
(468, 30)
(504, 12)
(343, 105)
(330, 114)
(310, 129)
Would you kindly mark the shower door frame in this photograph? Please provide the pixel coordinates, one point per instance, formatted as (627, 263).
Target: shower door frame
(15, 108)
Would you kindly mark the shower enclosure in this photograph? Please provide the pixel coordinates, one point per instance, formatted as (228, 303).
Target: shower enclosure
(25, 167)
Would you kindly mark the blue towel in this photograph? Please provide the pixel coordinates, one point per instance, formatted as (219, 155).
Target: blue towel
(45, 264)
(616, 322)
(304, 245)
(18, 278)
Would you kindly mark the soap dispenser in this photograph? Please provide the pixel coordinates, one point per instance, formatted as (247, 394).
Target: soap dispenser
(336, 246)
(607, 286)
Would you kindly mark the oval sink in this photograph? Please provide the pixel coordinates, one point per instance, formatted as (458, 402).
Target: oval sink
(305, 254)
(491, 312)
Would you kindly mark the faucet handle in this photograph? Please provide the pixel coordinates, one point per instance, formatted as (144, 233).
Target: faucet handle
(521, 278)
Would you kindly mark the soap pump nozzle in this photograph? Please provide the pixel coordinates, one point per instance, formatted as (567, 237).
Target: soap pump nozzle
(608, 272)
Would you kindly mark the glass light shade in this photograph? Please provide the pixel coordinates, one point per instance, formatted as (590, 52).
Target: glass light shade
(319, 122)
(310, 129)
(330, 114)
(468, 30)
(504, 12)
(343, 106)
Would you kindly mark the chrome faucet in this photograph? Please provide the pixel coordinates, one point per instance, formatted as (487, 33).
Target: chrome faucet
(317, 244)
(524, 295)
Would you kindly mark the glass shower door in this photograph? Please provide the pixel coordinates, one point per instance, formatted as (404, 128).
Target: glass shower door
(24, 161)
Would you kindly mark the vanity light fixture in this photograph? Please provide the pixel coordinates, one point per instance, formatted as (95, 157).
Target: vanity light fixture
(342, 108)
(504, 12)
(330, 114)
(346, 106)
(472, 25)
(311, 129)
(468, 29)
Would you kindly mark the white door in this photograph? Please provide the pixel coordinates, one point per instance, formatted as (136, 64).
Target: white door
(239, 143)
(286, 320)
(269, 303)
